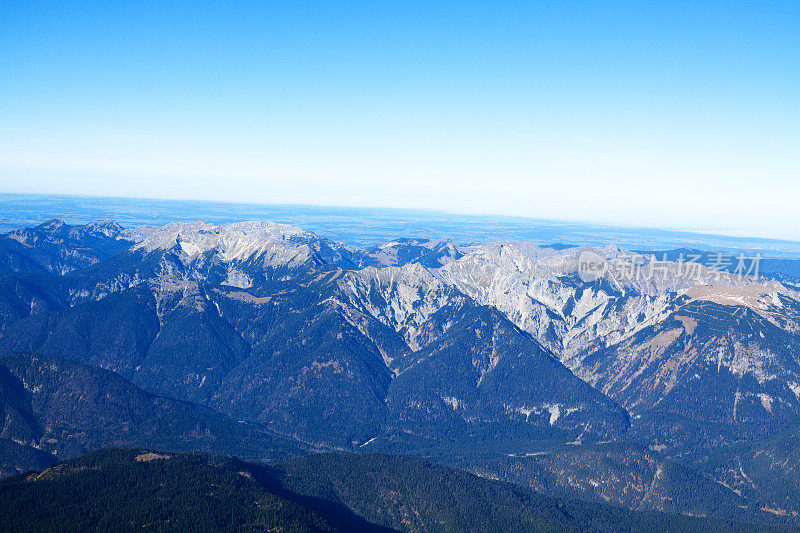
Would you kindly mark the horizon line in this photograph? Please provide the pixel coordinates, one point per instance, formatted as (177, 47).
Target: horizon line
(560, 222)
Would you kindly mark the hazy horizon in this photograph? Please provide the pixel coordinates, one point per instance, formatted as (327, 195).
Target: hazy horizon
(447, 212)
(432, 210)
(368, 226)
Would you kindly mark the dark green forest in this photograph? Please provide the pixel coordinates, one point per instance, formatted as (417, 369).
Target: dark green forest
(135, 489)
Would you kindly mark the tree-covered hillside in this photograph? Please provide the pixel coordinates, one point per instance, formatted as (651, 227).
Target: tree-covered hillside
(126, 490)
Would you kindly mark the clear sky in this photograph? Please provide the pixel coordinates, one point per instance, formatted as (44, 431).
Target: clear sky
(665, 114)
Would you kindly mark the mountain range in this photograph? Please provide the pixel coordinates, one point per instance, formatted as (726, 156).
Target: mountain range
(662, 392)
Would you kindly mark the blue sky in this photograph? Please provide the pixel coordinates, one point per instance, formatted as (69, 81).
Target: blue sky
(665, 114)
